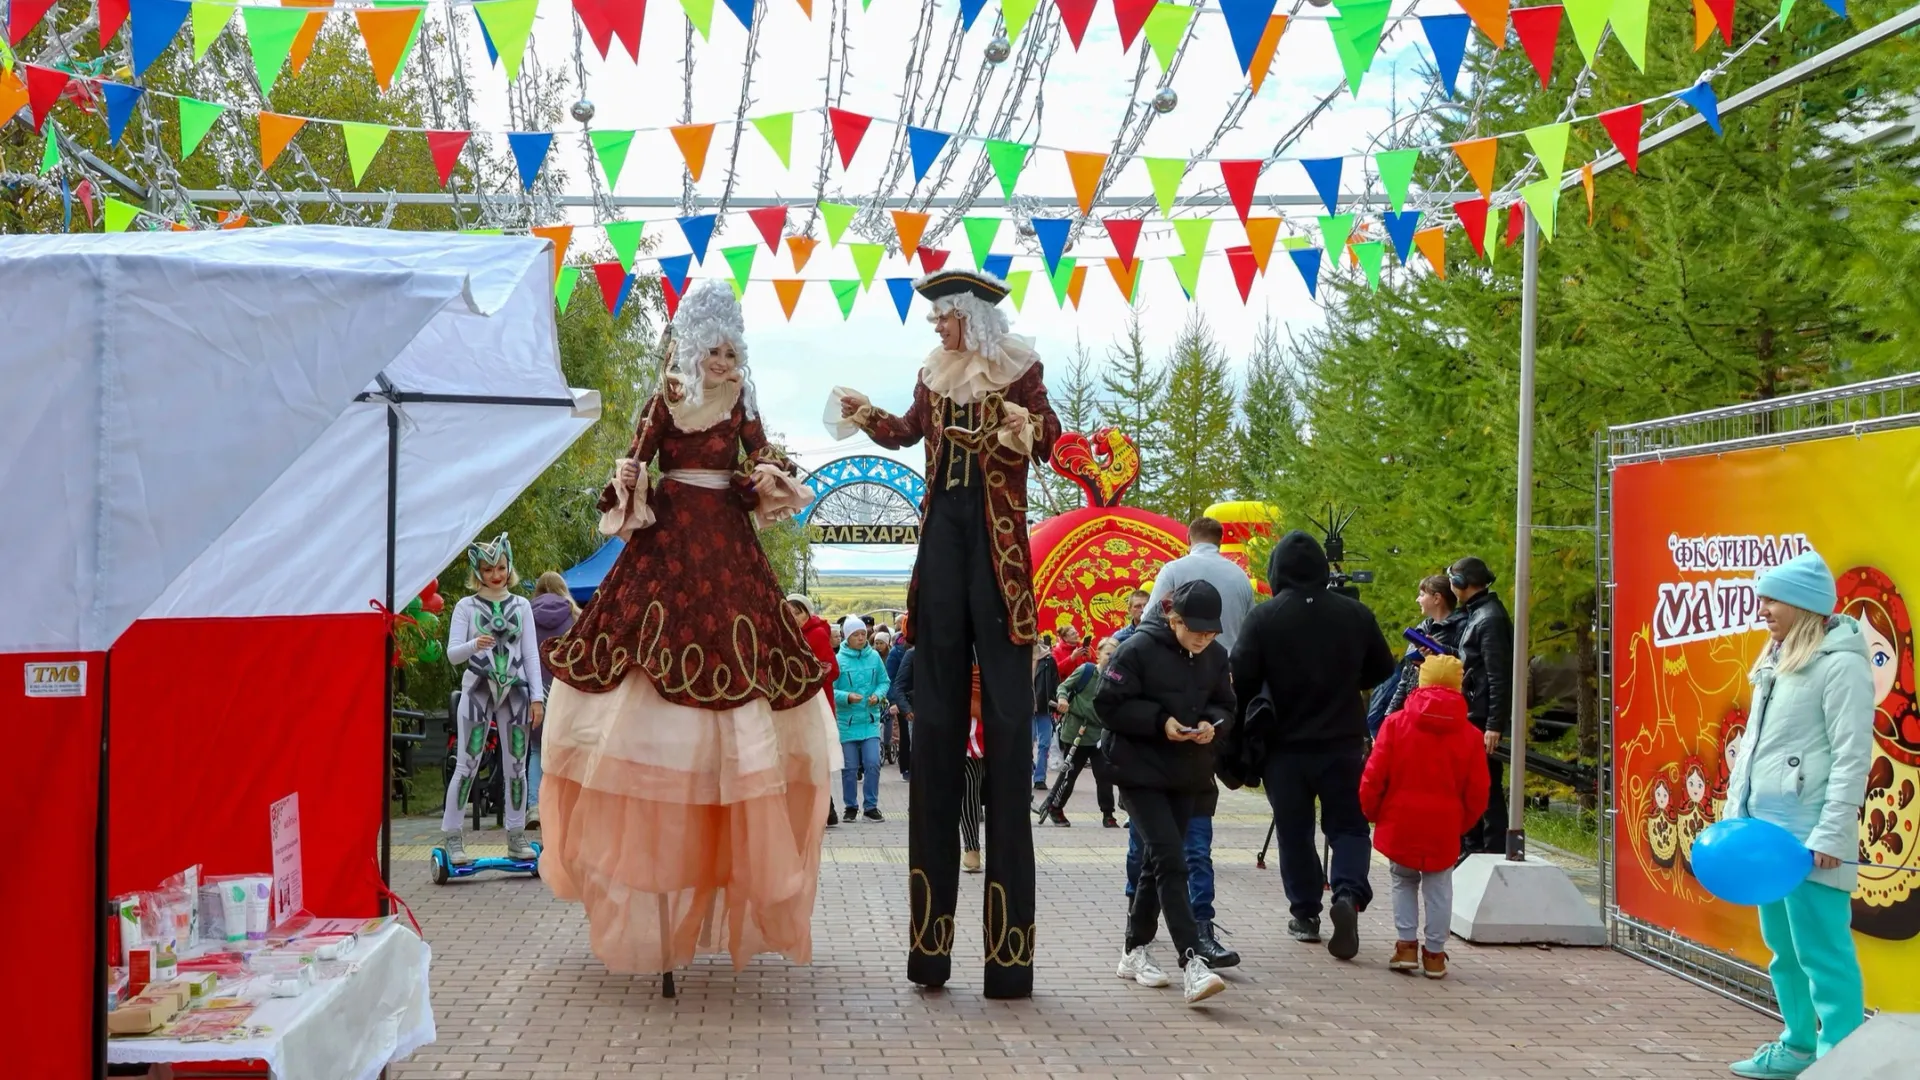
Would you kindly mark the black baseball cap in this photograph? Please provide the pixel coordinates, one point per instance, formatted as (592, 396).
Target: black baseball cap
(1198, 605)
(1471, 570)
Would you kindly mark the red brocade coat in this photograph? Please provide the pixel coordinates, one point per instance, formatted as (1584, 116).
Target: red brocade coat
(1005, 473)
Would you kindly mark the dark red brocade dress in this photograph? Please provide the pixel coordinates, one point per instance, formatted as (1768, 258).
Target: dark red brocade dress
(685, 743)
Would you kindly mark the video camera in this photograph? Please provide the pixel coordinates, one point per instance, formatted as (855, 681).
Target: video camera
(1339, 579)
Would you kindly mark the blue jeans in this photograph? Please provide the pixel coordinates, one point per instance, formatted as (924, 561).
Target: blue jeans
(533, 778)
(1042, 745)
(860, 757)
(1199, 864)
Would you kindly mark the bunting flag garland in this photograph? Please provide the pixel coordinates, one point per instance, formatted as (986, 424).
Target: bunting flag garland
(1074, 17)
(1490, 16)
(1307, 261)
(1516, 221)
(1263, 55)
(837, 216)
(113, 15)
(412, 38)
(1433, 247)
(801, 248)
(119, 214)
(1186, 270)
(1246, 24)
(1702, 24)
(387, 33)
(23, 16)
(1085, 168)
(445, 147)
(788, 290)
(1166, 174)
(1261, 233)
(925, 145)
(1356, 36)
(848, 129)
(1588, 18)
(50, 150)
(196, 119)
(1370, 254)
(1628, 18)
(155, 24)
(564, 285)
(931, 259)
(742, 10)
(1017, 282)
(1396, 173)
(740, 261)
(845, 292)
(1473, 221)
(698, 229)
(1076, 282)
(670, 295)
(1325, 174)
(276, 132)
(604, 19)
(270, 36)
(1477, 156)
(1447, 37)
(44, 87)
(120, 101)
(1240, 177)
(866, 260)
(981, 232)
(700, 14)
(612, 280)
(1539, 31)
(625, 238)
(1000, 266)
(1240, 261)
(908, 225)
(1623, 127)
(1124, 234)
(675, 268)
(693, 141)
(1125, 276)
(611, 147)
(1700, 95)
(529, 154)
(363, 143)
(1193, 233)
(1400, 229)
(778, 131)
(1015, 14)
(509, 24)
(1549, 142)
(562, 237)
(1543, 202)
(902, 290)
(1166, 24)
(1130, 16)
(771, 221)
(1335, 230)
(969, 11)
(208, 21)
(1007, 159)
(1052, 234)
(1722, 11)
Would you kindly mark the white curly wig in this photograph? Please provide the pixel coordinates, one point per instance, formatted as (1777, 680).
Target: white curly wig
(986, 324)
(709, 315)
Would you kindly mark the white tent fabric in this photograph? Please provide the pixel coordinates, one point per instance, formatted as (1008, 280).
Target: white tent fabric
(158, 383)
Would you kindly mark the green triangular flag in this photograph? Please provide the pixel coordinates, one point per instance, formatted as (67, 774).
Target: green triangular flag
(1396, 173)
(1007, 159)
(1134, 296)
(6, 58)
(625, 238)
(866, 259)
(196, 117)
(509, 23)
(1333, 234)
(119, 214)
(1543, 201)
(838, 217)
(741, 260)
(208, 20)
(1062, 277)
(1193, 235)
(778, 131)
(700, 14)
(1164, 27)
(1356, 37)
(1295, 243)
(363, 142)
(270, 34)
(611, 148)
(481, 232)
(1549, 142)
(1016, 13)
(563, 286)
(50, 152)
(739, 288)
(1166, 173)
(981, 232)
(1017, 287)
(1370, 253)
(413, 38)
(1187, 269)
(845, 292)
(1589, 18)
(1629, 19)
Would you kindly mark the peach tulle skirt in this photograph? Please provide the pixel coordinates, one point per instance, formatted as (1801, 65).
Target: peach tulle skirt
(684, 830)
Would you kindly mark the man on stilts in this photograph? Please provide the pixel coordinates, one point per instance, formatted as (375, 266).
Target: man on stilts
(981, 406)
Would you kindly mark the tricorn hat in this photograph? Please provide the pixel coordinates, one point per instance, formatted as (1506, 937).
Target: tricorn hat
(962, 283)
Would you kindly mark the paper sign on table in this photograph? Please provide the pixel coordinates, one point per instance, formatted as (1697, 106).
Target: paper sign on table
(289, 882)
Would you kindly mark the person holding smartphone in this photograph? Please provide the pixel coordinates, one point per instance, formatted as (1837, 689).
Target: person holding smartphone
(1443, 620)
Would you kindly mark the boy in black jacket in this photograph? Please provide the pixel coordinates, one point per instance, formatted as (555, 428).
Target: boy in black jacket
(1162, 701)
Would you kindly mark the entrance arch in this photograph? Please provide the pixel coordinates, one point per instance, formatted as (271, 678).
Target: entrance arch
(864, 499)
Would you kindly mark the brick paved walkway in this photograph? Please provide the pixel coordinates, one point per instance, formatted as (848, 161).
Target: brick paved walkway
(518, 996)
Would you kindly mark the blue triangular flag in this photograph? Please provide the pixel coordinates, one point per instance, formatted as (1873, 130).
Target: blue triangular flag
(529, 153)
(120, 101)
(742, 10)
(493, 54)
(1447, 37)
(1325, 174)
(1839, 7)
(1246, 23)
(676, 267)
(1053, 238)
(969, 11)
(998, 265)
(902, 290)
(155, 22)
(1400, 227)
(925, 144)
(1700, 96)
(698, 229)
(1307, 261)
(626, 286)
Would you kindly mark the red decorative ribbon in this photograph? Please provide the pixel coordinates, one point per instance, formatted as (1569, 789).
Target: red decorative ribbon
(394, 618)
(387, 892)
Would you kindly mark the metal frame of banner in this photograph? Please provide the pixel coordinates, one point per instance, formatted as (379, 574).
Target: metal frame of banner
(1879, 405)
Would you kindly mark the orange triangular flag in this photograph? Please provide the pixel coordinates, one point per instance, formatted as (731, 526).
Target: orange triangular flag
(1702, 23)
(13, 95)
(1078, 282)
(1086, 169)
(1433, 244)
(1123, 275)
(1586, 181)
(275, 132)
(801, 248)
(387, 31)
(1490, 16)
(233, 219)
(561, 235)
(909, 225)
(1477, 155)
(177, 227)
(807, 6)
(788, 290)
(1261, 233)
(1263, 52)
(309, 31)
(694, 140)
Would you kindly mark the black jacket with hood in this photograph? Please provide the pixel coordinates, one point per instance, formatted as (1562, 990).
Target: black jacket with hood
(1315, 652)
(1486, 655)
(1151, 678)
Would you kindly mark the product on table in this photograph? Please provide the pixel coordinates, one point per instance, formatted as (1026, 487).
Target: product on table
(116, 987)
(212, 915)
(260, 891)
(148, 1011)
(199, 984)
(127, 920)
(234, 891)
(139, 968)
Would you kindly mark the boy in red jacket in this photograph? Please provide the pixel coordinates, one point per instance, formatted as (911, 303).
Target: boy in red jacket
(1425, 785)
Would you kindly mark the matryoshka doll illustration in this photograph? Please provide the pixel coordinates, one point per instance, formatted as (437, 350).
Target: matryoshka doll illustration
(1663, 819)
(1696, 813)
(1733, 727)
(1886, 903)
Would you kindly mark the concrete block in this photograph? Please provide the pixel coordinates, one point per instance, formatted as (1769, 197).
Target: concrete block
(1496, 902)
(1886, 1047)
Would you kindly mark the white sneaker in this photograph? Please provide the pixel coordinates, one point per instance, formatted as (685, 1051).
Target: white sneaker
(1138, 965)
(1200, 983)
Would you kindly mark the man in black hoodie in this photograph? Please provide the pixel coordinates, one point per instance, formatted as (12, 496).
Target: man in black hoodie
(1309, 655)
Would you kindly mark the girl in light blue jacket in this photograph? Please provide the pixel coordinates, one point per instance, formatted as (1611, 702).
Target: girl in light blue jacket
(1803, 766)
(859, 693)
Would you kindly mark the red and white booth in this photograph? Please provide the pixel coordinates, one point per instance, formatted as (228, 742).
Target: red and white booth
(220, 448)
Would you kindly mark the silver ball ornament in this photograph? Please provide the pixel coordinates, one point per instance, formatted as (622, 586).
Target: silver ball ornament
(1166, 100)
(582, 110)
(1319, 3)
(998, 50)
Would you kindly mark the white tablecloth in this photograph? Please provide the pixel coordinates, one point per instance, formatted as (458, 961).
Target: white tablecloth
(343, 1029)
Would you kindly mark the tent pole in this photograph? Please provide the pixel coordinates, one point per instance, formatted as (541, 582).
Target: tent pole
(386, 733)
(102, 805)
(1523, 551)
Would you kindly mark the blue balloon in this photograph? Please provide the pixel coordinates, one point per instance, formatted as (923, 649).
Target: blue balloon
(1749, 861)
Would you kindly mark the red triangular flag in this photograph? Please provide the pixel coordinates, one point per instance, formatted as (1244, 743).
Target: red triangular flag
(771, 221)
(593, 17)
(848, 129)
(26, 15)
(668, 293)
(1131, 15)
(1125, 234)
(1722, 15)
(113, 15)
(44, 87)
(1241, 260)
(932, 259)
(1516, 221)
(1074, 15)
(611, 275)
(446, 147)
(1240, 177)
(1473, 218)
(1623, 126)
(1539, 31)
(629, 18)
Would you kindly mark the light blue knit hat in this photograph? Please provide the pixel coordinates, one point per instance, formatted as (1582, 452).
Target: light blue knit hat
(1803, 581)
